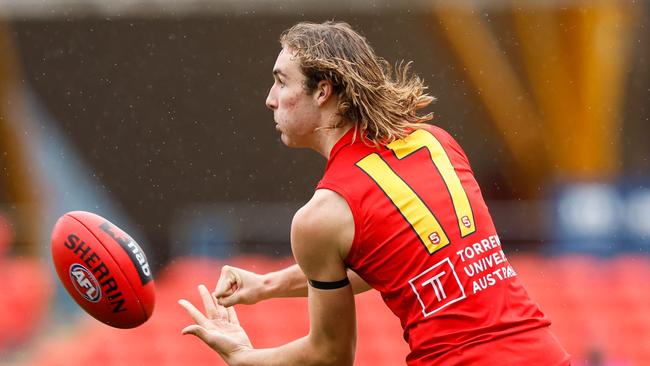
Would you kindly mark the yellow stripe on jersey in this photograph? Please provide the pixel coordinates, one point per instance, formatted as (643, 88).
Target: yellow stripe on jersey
(422, 138)
(407, 202)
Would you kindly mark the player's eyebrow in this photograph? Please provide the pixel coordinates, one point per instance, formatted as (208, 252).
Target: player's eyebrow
(278, 72)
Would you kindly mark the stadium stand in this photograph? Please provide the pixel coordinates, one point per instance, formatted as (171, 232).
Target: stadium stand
(26, 291)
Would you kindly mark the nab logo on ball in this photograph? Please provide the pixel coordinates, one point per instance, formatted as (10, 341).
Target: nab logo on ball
(132, 249)
(85, 283)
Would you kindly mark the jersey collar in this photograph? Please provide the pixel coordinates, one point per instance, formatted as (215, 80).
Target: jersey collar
(344, 141)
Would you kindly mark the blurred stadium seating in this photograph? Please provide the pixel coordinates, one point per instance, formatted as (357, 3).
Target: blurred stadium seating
(598, 307)
(26, 293)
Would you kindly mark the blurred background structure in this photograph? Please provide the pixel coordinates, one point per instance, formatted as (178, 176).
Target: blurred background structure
(151, 113)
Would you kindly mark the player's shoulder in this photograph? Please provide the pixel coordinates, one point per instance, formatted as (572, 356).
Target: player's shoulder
(325, 209)
(326, 218)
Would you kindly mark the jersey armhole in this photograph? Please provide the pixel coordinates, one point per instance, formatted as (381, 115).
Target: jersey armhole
(355, 216)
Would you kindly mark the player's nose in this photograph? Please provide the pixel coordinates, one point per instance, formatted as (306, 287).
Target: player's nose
(271, 101)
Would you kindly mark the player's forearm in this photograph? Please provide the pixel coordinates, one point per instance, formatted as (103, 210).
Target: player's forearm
(291, 282)
(301, 352)
(288, 282)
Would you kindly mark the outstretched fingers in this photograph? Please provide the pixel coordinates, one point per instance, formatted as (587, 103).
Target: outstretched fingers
(213, 310)
(209, 305)
(218, 328)
(194, 313)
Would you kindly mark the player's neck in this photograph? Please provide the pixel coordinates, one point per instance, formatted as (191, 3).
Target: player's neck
(328, 137)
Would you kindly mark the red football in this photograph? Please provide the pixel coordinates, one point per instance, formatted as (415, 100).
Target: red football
(103, 269)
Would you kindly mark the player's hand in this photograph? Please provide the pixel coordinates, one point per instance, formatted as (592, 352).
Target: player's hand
(238, 286)
(219, 328)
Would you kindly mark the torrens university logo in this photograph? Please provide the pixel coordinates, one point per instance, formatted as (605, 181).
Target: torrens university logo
(85, 283)
(437, 287)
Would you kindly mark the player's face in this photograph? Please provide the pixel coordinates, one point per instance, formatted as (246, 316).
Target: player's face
(295, 112)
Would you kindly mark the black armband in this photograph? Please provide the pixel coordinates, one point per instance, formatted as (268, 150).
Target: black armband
(329, 285)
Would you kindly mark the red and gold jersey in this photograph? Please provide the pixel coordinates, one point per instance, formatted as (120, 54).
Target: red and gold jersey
(425, 240)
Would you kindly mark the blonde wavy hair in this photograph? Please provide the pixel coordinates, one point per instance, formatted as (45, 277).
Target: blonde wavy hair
(380, 100)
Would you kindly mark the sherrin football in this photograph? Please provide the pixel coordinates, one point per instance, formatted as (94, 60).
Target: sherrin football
(103, 269)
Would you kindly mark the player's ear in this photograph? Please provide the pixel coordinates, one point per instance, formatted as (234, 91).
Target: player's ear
(323, 92)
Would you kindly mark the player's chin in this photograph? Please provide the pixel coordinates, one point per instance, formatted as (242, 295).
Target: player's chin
(286, 140)
(291, 139)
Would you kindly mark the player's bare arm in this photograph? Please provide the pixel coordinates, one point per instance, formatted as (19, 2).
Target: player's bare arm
(239, 286)
(321, 234)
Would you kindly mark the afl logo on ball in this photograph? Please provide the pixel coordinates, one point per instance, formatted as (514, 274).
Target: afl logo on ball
(85, 283)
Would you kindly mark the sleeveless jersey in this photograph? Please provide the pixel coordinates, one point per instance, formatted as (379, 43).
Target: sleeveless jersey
(425, 240)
